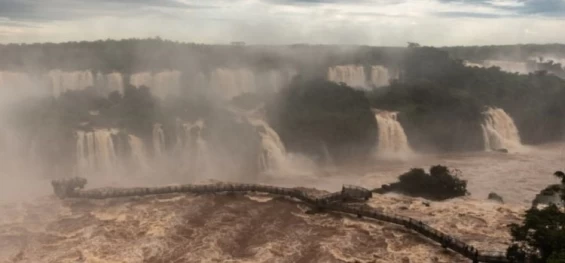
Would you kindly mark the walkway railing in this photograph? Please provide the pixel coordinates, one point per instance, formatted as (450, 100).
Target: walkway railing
(72, 188)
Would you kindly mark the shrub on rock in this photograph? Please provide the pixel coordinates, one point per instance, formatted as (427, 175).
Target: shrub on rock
(440, 184)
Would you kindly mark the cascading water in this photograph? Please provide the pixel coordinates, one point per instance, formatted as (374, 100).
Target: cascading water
(96, 152)
(161, 84)
(499, 130)
(138, 152)
(194, 150)
(509, 66)
(352, 75)
(230, 83)
(273, 155)
(65, 81)
(108, 83)
(380, 76)
(158, 139)
(392, 138)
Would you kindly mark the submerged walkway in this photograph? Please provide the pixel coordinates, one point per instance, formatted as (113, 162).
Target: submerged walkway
(72, 188)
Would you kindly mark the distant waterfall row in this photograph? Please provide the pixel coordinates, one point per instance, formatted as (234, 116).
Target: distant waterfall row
(56, 82)
(355, 76)
(223, 82)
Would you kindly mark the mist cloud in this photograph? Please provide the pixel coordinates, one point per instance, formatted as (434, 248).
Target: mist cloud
(371, 22)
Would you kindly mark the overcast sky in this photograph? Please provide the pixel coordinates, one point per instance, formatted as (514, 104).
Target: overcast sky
(367, 22)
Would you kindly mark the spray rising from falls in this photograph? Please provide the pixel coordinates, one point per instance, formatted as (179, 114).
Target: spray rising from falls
(392, 138)
(499, 130)
(138, 152)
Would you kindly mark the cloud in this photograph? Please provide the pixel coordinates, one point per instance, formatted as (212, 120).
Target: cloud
(42, 10)
(364, 22)
(548, 8)
(467, 14)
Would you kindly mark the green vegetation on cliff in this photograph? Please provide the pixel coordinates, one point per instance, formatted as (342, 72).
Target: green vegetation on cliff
(313, 114)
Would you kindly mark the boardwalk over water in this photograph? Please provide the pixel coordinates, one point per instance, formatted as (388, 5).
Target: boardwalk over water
(72, 188)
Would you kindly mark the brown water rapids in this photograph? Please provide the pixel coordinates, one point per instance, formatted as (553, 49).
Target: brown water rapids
(37, 227)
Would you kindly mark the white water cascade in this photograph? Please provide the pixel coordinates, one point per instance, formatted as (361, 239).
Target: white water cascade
(161, 84)
(380, 76)
(108, 83)
(499, 130)
(230, 83)
(273, 153)
(62, 81)
(355, 76)
(138, 152)
(352, 75)
(392, 138)
(508, 66)
(96, 152)
(158, 139)
(194, 150)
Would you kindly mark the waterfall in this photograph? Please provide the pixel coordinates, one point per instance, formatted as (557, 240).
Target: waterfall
(499, 130)
(392, 138)
(66, 81)
(230, 83)
(379, 76)
(158, 139)
(273, 153)
(138, 152)
(161, 84)
(96, 151)
(352, 75)
(275, 80)
(509, 66)
(194, 150)
(110, 82)
(471, 64)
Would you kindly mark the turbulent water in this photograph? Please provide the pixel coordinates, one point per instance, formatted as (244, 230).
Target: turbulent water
(392, 138)
(258, 228)
(499, 130)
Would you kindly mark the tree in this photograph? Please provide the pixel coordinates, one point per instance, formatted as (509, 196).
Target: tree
(560, 175)
(440, 184)
(313, 114)
(541, 237)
